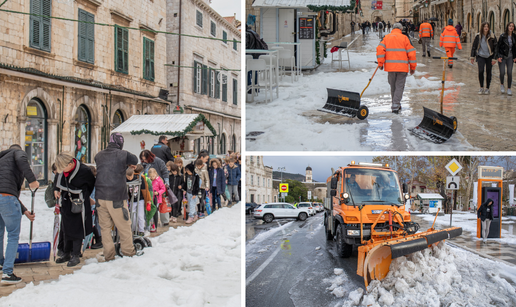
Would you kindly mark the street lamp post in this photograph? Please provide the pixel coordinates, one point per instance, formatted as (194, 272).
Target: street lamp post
(281, 170)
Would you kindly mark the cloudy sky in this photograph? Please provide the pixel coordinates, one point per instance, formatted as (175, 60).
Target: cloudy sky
(321, 166)
(227, 7)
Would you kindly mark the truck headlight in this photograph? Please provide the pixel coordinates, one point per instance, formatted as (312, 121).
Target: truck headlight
(353, 232)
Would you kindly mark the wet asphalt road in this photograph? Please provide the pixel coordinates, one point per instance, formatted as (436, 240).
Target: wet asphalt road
(283, 267)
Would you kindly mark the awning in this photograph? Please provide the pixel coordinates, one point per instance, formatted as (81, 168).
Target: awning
(429, 196)
(299, 3)
(438, 2)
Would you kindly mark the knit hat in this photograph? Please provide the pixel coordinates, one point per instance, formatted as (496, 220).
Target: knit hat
(397, 26)
(117, 139)
(450, 21)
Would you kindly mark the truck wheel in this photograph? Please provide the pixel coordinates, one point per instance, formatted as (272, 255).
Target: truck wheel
(268, 218)
(302, 216)
(329, 235)
(344, 250)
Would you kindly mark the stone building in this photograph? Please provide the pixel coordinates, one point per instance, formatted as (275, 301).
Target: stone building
(379, 10)
(208, 81)
(66, 84)
(258, 184)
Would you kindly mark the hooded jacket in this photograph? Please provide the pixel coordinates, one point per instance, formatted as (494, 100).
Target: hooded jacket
(450, 38)
(485, 211)
(203, 176)
(112, 164)
(233, 174)
(15, 167)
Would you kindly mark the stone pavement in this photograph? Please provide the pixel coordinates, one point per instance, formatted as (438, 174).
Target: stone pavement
(37, 273)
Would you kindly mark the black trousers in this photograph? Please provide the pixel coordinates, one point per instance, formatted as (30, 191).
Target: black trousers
(484, 63)
(202, 203)
(176, 207)
(73, 246)
(60, 244)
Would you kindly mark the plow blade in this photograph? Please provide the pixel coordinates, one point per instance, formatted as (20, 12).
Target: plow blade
(435, 127)
(344, 103)
(374, 260)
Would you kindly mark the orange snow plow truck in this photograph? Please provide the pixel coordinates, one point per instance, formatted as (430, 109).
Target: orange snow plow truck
(365, 207)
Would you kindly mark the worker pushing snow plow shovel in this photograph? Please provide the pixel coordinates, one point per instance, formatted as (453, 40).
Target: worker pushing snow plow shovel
(436, 127)
(369, 213)
(346, 103)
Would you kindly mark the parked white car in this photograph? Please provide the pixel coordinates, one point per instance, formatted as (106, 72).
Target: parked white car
(309, 206)
(318, 207)
(271, 211)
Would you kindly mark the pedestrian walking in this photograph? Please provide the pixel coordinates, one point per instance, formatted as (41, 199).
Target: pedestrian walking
(397, 56)
(426, 32)
(485, 214)
(432, 23)
(506, 55)
(364, 25)
(458, 28)
(380, 30)
(74, 185)
(352, 28)
(15, 169)
(161, 150)
(111, 193)
(483, 49)
(449, 40)
(389, 26)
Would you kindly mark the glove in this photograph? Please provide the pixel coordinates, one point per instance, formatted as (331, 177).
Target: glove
(148, 207)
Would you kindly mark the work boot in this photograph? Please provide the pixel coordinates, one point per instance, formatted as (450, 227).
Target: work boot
(450, 65)
(509, 92)
(75, 260)
(428, 53)
(424, 55)
(502, 89)
(97, 245)
(66, 257)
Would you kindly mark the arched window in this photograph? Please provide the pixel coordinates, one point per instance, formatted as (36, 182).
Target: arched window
(222, 145)
(118, 118)
(82, 134)
(492, 22)
(36, 138)
(506, 19)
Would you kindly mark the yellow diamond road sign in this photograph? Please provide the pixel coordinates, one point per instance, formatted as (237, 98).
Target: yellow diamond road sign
(453, 167)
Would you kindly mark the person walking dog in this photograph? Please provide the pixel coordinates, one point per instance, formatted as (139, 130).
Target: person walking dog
(449, 40)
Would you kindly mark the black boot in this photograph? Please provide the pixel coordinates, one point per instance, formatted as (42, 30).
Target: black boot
(75, 260)
(98, 244)
(428, 53)
(64, 258)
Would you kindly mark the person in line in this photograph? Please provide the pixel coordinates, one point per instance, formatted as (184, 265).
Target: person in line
(150, 160)
(192, 190)
(161, 150)
(15, 169)
(485, 214)
(74, 185)
(506, 55)
(483, 49)
(181, 168)
(144, 196)
(111, 195)
(204, 178)
(158, 188)
(218, 183)
(176, 185)
(96, 227)
(426, 32)
(449, 40)
(397, 56)
(233, 179)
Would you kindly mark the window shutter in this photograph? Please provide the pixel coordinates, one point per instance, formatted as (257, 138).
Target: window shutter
(225, 92)
(195, 77)
(119, 56)
(235, 92)
(126, 50)
(145, 58)
(217, 85)
(82, 37)
(46, 24)
(211, 84)
(225, 37)
(90, 38)
(204, 89)
(213, 29)
(35, 24)
(199, 19)
(152, 60)
(235, 44)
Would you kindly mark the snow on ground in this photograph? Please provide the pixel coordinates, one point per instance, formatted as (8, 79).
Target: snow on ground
(440, 276)
(468, 222)
(290, 122)
(188, 266)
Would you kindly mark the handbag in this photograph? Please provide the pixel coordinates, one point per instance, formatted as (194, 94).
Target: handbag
(172, 198)
(77, 203)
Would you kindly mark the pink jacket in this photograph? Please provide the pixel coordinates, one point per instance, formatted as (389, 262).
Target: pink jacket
(158, 186)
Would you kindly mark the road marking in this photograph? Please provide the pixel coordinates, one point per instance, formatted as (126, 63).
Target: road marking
(262, 267)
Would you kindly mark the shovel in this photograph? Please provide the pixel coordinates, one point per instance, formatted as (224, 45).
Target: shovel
(33, 252)
(436, 127)
(346, 103)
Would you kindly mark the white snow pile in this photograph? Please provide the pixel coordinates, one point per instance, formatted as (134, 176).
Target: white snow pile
(440, 276)
(187, 266)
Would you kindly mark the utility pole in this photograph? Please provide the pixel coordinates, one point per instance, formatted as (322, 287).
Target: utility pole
(281, 170)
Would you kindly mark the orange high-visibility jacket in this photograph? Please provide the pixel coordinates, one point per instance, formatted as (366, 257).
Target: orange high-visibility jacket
(426, 30)
(395, 53)
(450, 38)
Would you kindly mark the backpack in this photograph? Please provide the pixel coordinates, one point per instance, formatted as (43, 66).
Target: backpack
(380, 25)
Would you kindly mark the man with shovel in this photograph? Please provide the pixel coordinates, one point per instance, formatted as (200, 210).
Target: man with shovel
(15, 168)
(398, 57)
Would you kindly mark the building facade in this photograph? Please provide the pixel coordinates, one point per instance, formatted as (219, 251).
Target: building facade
(258, 187)
(203, 76)
(374, 11)
(66, 84)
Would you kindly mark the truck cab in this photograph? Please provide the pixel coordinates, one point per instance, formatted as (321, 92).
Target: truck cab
(356, 197)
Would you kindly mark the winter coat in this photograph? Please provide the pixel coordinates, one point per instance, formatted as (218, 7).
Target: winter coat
(450, 38)
(458, 28)
(159, 166)
(233, 174)
(158, 186)
(203, 176)
(395, 53)
(15, 167)
(175, 182)
(502, 46)
(485, 212)
(163, 152)
(78, 185)
(112, 164)
(491, 45)
(195, 184)
(221, 179)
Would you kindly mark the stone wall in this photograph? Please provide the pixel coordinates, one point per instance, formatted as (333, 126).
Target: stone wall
(258, 172)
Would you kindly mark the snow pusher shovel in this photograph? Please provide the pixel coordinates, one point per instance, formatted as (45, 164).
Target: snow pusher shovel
(375, 255)
(436, 127)
(33, 252)
(346, 103)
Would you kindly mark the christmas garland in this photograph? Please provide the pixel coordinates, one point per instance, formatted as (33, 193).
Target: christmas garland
(344, 8)
(179, 133)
